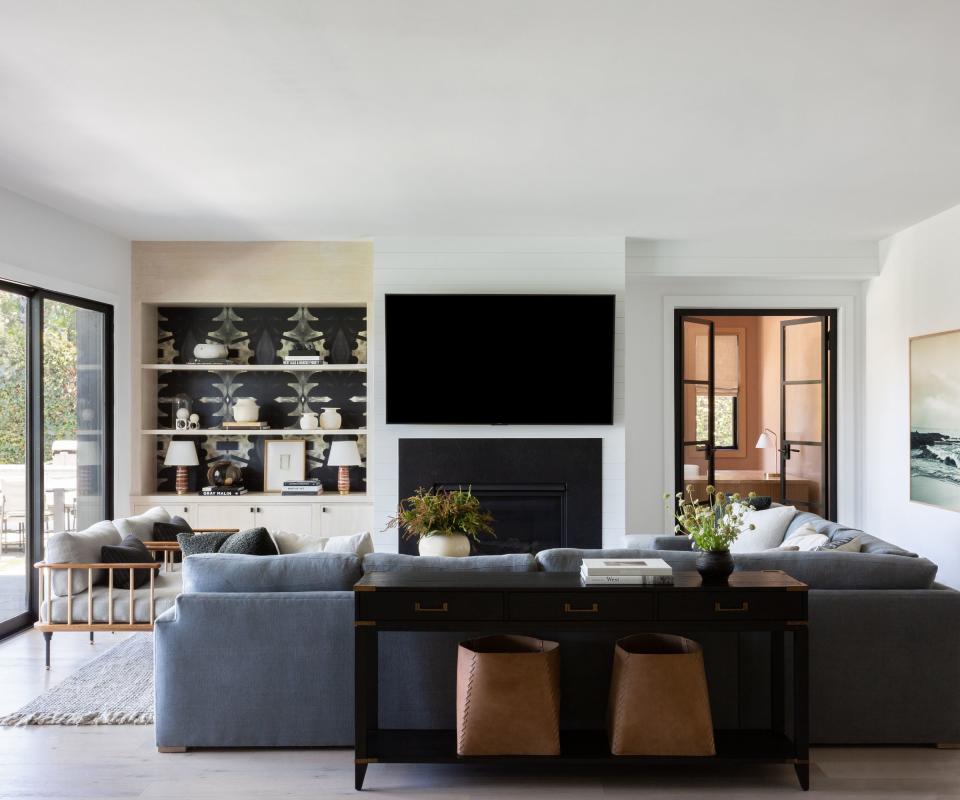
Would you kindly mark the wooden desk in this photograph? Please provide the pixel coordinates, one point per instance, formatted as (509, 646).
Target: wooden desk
(416, 601)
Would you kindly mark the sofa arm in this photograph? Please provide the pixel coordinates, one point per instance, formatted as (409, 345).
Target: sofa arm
(678, 543)
(884, 666)
(255, 670)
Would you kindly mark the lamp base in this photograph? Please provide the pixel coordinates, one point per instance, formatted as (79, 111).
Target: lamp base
(183, 480)
(343, 480)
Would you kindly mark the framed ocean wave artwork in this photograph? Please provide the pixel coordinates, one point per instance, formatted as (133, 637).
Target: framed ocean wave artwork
(935, 419)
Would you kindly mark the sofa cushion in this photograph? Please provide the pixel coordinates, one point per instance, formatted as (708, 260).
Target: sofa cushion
(288, 543)
(819, 570)
(165, 590)
(130, 551)
(141, 525)
(360, 544)
(868, 542)
(79, 547)
(168, 532)
(805, 538)
(300, 572)
(252, 542)
(769, 527)
(389, 562)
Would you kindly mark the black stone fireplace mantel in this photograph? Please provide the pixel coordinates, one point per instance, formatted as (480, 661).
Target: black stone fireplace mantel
(542, 492)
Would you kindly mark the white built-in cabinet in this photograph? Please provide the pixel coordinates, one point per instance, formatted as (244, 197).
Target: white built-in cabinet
(336, 517)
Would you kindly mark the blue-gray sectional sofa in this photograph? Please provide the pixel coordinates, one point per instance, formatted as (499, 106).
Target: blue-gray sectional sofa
(258, 650)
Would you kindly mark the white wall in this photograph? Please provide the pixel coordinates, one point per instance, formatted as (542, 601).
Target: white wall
(45, 248)
(917, 293)
(662, 276)
(494, 264)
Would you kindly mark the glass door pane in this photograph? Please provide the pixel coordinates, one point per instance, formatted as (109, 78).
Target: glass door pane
(14, 522)
(697, 413)
(803, 413)
(74, 409)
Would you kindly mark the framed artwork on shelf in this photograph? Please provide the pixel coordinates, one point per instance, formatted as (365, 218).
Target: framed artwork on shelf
(935, 420)
(283, 460)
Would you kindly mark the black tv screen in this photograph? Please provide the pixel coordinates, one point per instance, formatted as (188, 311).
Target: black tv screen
(499, 359)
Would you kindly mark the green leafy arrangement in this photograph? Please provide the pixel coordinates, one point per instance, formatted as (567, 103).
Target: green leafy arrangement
(439, 513)
(712, 525)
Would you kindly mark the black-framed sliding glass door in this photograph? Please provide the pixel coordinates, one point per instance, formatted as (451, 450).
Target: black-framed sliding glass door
(56, 421)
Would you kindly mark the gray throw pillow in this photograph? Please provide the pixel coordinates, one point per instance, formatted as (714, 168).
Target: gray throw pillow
(253, 542)
(844, 544)
(192, 543)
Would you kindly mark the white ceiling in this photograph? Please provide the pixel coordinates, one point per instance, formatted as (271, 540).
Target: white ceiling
(303, 119)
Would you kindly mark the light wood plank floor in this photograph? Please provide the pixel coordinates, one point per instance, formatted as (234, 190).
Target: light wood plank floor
(122, 762)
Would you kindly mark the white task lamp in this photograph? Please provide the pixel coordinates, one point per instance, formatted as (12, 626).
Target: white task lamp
(344, 455)
(763, 442)
(181, 455)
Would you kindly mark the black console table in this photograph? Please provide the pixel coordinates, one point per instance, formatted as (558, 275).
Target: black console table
(544, 601)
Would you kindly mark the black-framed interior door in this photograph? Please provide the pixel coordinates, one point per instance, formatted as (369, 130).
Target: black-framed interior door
(695, 404)
(66, 434)
(806, 454)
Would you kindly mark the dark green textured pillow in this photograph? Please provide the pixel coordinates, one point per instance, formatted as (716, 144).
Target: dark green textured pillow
(193, 543)
(253, 542)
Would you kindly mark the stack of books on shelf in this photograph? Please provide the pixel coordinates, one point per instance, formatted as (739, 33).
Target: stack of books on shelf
(302, 488)
(222, 491)
(247, 426)
(303, 356)
(656, 571)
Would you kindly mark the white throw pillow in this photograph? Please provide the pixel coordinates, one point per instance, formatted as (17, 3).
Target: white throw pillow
(769, 527)
(806, 538)
(82, 547)
(288, 542)
(359, 544)
(141, 525)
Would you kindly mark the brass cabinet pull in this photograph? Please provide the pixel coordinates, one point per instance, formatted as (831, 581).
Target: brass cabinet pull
(744, 606)
(569, 609)
(441, 609)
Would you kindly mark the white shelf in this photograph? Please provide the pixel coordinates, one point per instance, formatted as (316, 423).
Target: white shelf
(256, 367)
(330, 496)
(254, 432)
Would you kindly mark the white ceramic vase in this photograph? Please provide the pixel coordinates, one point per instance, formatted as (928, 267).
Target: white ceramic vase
(210, 350)
(245, 409)
(455, 545)
(309, 421)
(330, 420)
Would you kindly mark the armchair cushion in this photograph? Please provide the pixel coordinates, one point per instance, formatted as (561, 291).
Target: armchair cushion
(78, 548)
(141, 525)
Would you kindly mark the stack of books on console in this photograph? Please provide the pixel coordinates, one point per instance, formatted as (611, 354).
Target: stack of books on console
(222, 491)
(303, 356)
(302, 488)
(636, 571)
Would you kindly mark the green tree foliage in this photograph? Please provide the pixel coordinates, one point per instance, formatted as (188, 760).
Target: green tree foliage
(60, 376)
(723, 422)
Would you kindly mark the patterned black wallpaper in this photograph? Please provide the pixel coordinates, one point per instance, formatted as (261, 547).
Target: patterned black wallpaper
(263, 335)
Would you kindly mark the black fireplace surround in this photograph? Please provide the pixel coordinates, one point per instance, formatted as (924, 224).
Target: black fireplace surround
(542, 493)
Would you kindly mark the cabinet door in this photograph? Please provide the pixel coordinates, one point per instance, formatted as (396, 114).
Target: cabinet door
(225, 515)
(292, 517)
(187, 511)
(344, 519)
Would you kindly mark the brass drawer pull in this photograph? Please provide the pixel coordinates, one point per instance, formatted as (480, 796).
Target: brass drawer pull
(569, 609)
(744, 606)
(441, 609)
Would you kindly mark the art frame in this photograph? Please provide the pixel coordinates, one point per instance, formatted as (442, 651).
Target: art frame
(935, 419)
(283, 460)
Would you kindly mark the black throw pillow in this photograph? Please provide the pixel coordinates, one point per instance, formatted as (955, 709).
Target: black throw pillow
(168, 532)
(130, 551)
(253, 542)
(193, 543)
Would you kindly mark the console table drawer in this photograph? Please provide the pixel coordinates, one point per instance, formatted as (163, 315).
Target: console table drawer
(729, 605)
(581, 605)
(432, 606)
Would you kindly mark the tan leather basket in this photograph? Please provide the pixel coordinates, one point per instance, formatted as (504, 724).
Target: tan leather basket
(659, 704)
(508, 696)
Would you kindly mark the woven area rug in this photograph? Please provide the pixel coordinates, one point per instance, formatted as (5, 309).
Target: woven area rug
(115, 688)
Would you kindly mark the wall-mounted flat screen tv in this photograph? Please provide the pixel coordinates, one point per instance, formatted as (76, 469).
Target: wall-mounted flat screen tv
(497, 359)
